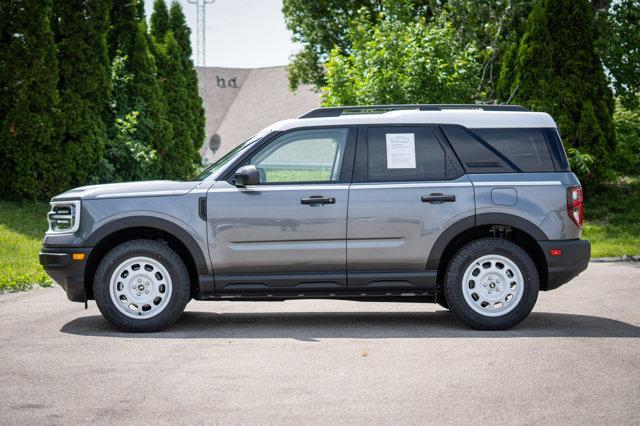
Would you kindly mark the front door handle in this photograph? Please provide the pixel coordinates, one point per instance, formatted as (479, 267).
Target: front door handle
(438, 198)
(318, 200)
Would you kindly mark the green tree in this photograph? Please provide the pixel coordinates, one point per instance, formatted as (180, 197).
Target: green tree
(182, 35)
(180, 161)
(320, 26)
(29, 150)
(619, 47)
(492, 25)
(159, 20)
(139, 90)
(126, 157)
(123, 25)
(396, 61)
(80, 28)
(627, 158)
(557, 70)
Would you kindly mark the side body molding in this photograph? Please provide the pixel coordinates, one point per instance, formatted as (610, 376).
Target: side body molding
(195, 249)
(480, 219)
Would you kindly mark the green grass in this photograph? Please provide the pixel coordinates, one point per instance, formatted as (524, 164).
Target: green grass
(612, 218)
(22, 227)
(612, 225)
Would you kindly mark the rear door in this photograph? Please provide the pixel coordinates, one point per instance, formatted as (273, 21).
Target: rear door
(407, 189)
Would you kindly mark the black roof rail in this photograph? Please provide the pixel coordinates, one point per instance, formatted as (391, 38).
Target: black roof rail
(376, 109)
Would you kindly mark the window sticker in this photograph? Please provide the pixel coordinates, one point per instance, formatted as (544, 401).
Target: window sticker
(401, 151)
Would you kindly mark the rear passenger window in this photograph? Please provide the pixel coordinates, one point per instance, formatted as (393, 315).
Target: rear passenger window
(526, 148)
(405, 154)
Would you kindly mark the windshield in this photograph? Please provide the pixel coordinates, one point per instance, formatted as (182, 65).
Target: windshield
(229, 156)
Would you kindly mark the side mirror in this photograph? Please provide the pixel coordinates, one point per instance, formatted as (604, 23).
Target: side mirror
(247, 175)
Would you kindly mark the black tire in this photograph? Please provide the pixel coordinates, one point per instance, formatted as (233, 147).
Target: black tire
(442, 299)
(470, 253)
(161, 253)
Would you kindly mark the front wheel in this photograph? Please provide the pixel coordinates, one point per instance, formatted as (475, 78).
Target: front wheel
(141, 286)
(491, 284)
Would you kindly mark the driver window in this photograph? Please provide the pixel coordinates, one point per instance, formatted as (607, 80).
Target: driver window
(302, 156)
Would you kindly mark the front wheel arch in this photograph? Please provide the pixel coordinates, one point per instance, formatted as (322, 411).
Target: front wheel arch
(104, 244)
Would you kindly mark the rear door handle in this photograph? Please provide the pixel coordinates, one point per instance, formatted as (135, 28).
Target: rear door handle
(438, 198)
(318, 199)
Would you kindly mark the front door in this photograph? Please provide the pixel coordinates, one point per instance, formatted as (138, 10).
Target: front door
(287, 234)
(407, 189)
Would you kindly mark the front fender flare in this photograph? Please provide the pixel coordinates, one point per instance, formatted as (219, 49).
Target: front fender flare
(161, 224)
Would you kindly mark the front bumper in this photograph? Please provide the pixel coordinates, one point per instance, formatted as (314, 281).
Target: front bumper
(562, 269)
(60, 266)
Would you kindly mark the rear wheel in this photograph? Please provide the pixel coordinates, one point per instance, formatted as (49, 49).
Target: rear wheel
(491, 284)
(141, 285)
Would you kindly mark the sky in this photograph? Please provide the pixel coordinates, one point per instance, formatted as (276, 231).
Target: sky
(240, 33)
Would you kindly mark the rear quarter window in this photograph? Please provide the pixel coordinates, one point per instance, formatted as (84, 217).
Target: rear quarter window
(526, 148)
(500, 150)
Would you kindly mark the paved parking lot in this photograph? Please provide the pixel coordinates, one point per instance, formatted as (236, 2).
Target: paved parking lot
(575, 360)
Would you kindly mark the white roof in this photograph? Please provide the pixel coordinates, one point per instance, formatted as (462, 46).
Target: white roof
(470, 118)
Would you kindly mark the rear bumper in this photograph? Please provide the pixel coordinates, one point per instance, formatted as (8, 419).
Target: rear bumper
(562, 269)
(69, 273)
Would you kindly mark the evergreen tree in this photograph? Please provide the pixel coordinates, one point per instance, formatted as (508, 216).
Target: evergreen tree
(181, 159)
(29, 151)
(182, 35)
(123, 25)
(140, 90)
(80, 27)
(557, 71)
(154, 129)
(180, 29)
(159, 20)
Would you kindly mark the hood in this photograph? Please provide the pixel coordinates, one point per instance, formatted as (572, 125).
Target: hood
(153, 188)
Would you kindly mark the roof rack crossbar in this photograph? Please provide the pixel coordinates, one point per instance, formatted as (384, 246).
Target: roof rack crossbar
(372, 109)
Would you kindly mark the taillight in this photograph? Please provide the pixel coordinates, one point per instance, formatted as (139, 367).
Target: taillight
(574, 204)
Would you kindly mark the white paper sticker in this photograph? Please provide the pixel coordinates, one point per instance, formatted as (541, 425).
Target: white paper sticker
(401, 151)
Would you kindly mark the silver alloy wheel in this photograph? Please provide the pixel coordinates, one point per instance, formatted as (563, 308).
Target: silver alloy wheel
(140, 287)
(492, 285)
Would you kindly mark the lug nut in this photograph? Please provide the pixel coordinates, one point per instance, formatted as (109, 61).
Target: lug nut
(485, 284)
(146, 291)
(133, 286)
(497, 288)
(489, 291)
(139, 293)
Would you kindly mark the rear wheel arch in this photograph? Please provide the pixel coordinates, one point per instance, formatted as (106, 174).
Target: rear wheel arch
(514, 228)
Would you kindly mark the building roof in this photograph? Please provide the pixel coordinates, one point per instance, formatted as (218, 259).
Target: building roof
(239, 102)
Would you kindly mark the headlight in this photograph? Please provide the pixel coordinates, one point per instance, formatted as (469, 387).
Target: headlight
(64, 217)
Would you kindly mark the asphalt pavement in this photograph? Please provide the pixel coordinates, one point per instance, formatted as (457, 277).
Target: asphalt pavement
(575, 360)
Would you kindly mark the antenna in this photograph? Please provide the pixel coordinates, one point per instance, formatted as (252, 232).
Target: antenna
(200, 30)
(201, 53)
(512, 95)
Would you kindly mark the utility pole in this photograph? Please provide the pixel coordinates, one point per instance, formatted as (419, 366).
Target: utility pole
(201, 53)
(200, 30)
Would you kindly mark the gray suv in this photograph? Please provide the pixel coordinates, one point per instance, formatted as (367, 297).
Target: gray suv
(473, 207)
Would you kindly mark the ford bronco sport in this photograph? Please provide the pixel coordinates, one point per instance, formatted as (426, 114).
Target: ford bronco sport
(473, 207)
